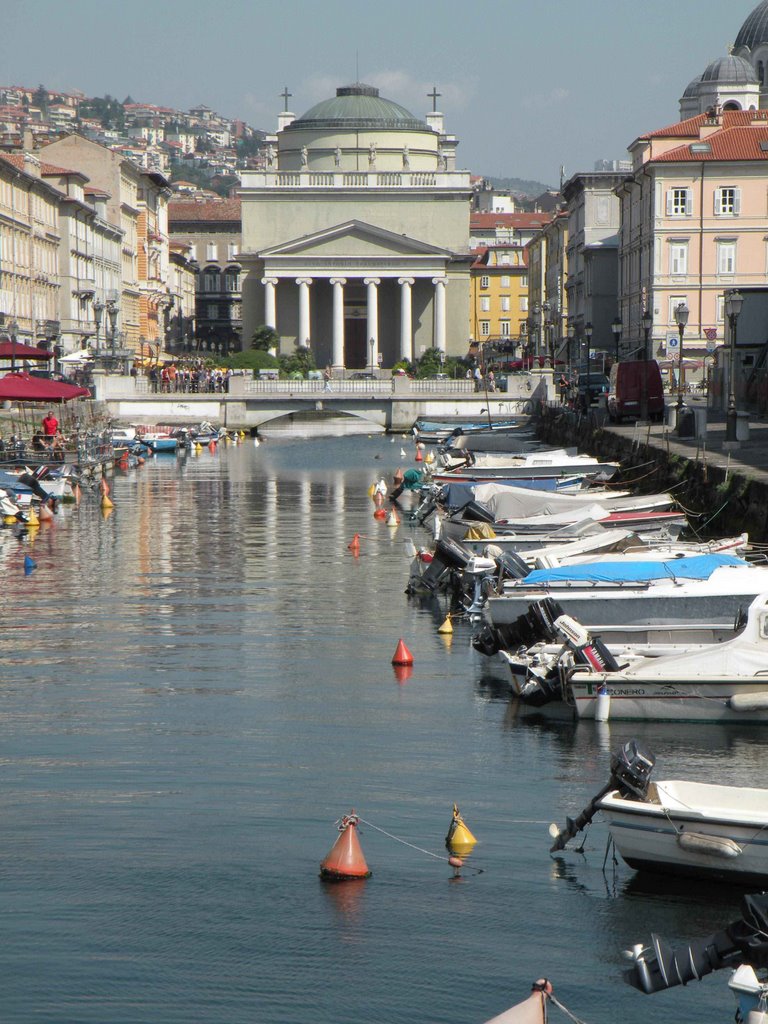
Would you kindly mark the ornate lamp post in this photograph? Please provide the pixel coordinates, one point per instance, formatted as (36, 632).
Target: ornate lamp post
(546, 308)
(616, 327)
(112, 313)
(536, 347)
(588, 329)
(98, 313)
(647, 321)
(571, 336)
(733, 303)
(681, 316)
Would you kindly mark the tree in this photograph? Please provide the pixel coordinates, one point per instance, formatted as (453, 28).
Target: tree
(251, 359)
(40, 98)
(300, 361)
(264, 338)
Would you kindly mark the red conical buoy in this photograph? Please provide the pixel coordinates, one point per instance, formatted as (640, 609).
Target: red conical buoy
(419, 456)
(402, 655)
(380, 513)
(345, 859)
(211, 446)
(354, 544)
(103, 486)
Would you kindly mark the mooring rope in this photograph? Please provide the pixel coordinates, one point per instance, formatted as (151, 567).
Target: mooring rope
(397, 839)
(565, 1010)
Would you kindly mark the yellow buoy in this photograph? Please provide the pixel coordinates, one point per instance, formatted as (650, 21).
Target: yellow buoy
(198, 447)
(106, 502)
(447, 626)
(32, 519)
(9, 520)
(459, 839)
(429, 457)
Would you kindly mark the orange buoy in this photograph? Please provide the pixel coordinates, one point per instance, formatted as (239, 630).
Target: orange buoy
(402, 672)
(103, 486)
(402, 655)
(345, 859)
(354, 544)
(211, 446)
(380, 513)
(456, 862)
(78, 494)
(419, 456)
(378, 499)
(140, 460)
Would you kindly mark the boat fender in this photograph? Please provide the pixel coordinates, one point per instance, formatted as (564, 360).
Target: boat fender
(757, 1017)
(749, 701)
(712, 846)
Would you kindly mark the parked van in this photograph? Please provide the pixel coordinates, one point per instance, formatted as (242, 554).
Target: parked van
(625, 394)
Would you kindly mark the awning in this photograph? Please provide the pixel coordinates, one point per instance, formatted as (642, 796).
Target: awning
(17, 350)
(20, 387)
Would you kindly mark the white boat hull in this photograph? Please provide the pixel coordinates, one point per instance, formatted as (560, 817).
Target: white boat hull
(697, 700)
(688, 836)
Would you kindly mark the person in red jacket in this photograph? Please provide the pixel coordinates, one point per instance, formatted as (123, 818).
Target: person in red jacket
(50, 425)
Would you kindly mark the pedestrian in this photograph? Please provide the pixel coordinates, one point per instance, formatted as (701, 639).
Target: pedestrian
(50, 425)
(491, 381)
(563, 387)
(478, 379)
(327, 377)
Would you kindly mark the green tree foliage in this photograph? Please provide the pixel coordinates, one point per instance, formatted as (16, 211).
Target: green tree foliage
(430, 364)
(251, 359)
(264, 338)
(107, 110)
(301, 360)
(40, 98)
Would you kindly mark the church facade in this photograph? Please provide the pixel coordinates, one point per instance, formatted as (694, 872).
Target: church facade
(355, 235)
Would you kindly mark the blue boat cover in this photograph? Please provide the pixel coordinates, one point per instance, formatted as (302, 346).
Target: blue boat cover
(697, 567)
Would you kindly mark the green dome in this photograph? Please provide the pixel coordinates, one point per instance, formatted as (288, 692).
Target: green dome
(358, 106)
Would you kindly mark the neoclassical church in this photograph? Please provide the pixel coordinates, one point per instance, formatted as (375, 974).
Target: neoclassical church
(738, 81)
(355, 234)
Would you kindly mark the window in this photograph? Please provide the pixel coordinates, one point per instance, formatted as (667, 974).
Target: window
(679, 202)
(678, 258)
(523, 303)
(485, 328)
(505, 280)
(504, 328)
(211, 280)
(505, 303)
(674, 302)
(505, 258)
(232, 279)
(524, 281)
(720, 309)
(211, 251)
(726, 257)
(727, 201)
(193, 253)
(212, 310)
(485, 303)
(484, 282)
(232, 251)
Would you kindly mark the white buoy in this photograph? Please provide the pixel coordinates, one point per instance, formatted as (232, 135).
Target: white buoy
(256, 442)
(403, 453)
(603, 704)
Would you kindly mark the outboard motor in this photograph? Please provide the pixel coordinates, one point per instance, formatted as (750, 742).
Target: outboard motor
(587, 650)
(659, 967)
(449, 554)
(534, 626)
(631, 767)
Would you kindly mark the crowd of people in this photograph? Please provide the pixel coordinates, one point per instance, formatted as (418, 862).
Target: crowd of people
(194, 379)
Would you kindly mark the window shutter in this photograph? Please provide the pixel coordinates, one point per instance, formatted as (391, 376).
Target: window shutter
(736, 202)
(670, 202)
(717, 200)
(688, 202)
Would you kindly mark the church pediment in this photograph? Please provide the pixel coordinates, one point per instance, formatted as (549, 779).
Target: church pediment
(354, 238)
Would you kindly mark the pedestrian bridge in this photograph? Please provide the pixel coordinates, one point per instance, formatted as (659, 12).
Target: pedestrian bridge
(390, 404)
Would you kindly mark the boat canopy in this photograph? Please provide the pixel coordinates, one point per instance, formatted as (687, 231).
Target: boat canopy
(697, 567)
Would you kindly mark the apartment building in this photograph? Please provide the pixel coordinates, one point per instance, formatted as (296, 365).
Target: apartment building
(499, 295)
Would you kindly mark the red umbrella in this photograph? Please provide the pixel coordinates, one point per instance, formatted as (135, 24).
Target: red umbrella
(16, 350)
(20, 387)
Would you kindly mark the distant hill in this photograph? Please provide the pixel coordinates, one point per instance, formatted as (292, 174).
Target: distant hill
(520, 185)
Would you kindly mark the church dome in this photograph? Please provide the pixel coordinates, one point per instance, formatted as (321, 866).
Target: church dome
(731, 70)
(693, 88)
(358, 106)
(754, 31)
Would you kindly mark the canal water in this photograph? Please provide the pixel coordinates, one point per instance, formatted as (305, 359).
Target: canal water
(197, 687)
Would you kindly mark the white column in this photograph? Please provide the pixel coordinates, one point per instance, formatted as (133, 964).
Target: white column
(270, 301)
(338, 322)
(373, 319)
(439, 283)
(303, 336)
(406, 326)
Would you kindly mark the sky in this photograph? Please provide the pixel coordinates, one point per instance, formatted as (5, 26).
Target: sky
(527, 86)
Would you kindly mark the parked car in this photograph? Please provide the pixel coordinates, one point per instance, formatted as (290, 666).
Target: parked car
(625, 395)
(363, 375)
(591, 387)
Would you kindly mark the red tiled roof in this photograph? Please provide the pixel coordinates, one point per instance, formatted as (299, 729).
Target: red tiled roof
(726, 144)
(205, 209)
(509, 220)
(16, 159)
(46, 169)
(691, 127)
(96, 191)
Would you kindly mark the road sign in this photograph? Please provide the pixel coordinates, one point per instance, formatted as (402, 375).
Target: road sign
(673, 344)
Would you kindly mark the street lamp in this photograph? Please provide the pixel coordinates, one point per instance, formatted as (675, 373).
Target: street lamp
(734, 300)
(647, 320)
(546, 307)
(98, 312)
(681, 316)
(13, 328)
(616, 327)
(588, 329)
(536, 350)
(112, 313)
(571, 336)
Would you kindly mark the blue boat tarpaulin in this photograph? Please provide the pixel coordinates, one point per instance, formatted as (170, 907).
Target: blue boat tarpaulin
(697, 567)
